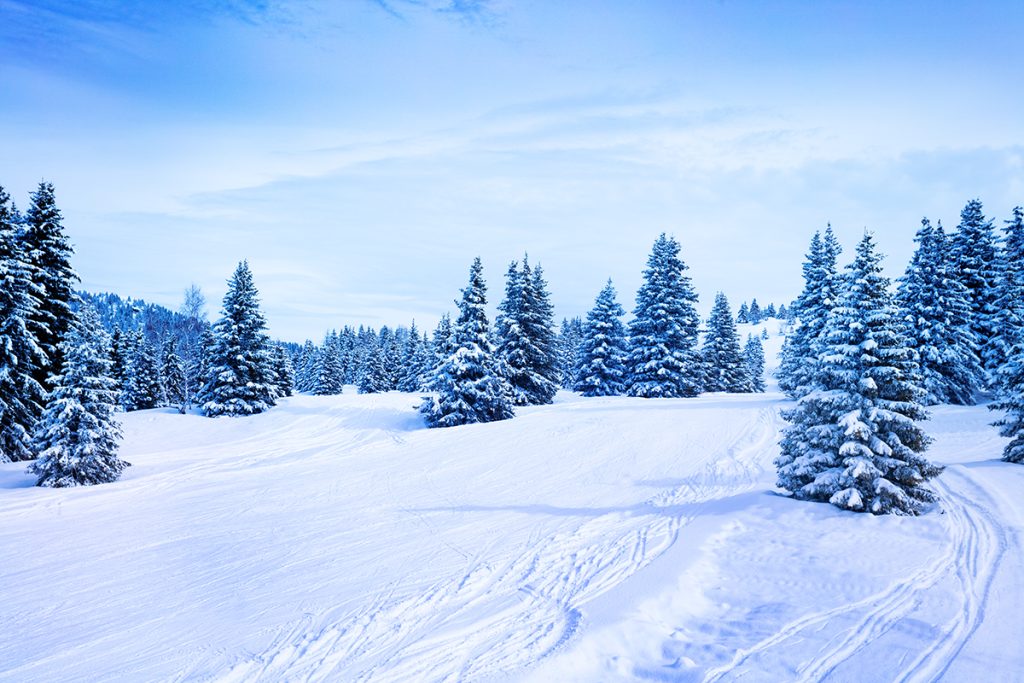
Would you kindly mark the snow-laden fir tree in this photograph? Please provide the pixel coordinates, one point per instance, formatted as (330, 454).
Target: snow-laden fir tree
(570, 336)
(284, 371)
(442, 346)
(1009, 317)
(21, 357)
(754, 314)
(603, 350)
(800, 349)
(769, 312)
(147, 385)
(1012, 401)
(526, 340)
(753, 355)
(305, 367)
(783, 313)
(375, 377)
(743, 315)
(853, 439)
(390, 357)
(725, 368)
(172, 372)
(77, 437)
(663, 360)
(330, 374)
(241, 374)
(469, 389)
(975, 252)
(48, 253)
(938, 312)
(411, 370)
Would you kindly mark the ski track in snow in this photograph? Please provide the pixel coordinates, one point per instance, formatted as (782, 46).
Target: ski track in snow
(493, 620)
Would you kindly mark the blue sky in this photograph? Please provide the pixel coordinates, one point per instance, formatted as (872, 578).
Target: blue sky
(360, 153)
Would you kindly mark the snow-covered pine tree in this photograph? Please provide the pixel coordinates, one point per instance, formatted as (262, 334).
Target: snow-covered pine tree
(799, 351)
(570, 336)
(769, 312)
(1009, 316)
(375, 377)
(938, 311)
(330, 373)
(411, 370)
(172, 371)
(526, 341)
(21, 395)
(725, 368)
(241, 377)
(663, 360)
(743, 315)
(390, 358)
(305, 367)
(603, 351)
(469, 388)
(48, 254)
(753, 354)
(76, 438)
(976, 255)
(853, 440)
(1011, 400)
(147, 387)
(783, 313)
(754, 314)
(284, 371)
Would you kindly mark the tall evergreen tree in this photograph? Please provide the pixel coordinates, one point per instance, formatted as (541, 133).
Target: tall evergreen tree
(526, 340)
(330, 375)
(305, 374)
(76, 439)
(1012, 401)
(469, 389)
(241, 379)
(754, 315)
(743, 315)
(172, 372)
(753, 354)
(769, 312)
(725, 368)
(21, 357)
(284, 371)
(570, 338)
(937, 313)
(1009, 304)
(854, 440)
(48, 253)
(975, 252)
(663, 361)
(603, 351)
(800, 350)
(147, 387)
(375, 378)
(411, 370)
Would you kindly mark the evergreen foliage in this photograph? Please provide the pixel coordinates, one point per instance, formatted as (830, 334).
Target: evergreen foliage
(526, 340)
(603, 351)
(172, 372)
(754, 314)
(468, 386)
(853, 439)
(1009, 304)
(753, 355)
(570, 336)
(663, 361)
(937, 313)
(147, 388)
(77, 436)
(1012, 401)
(743, 315)
(725, 368)
(284, 371)
(975, 253)
(241, 377)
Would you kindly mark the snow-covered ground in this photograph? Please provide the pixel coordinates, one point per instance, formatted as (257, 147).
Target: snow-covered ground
(335, 539)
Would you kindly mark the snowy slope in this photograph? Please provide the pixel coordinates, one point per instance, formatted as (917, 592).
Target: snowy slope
(335, 539)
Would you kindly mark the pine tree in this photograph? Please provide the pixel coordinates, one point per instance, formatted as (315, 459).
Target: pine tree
(854, 440)
(725, 368)
(938, 311)
(468, 386)
(753, 354)
(769, 312)
(284, 371)
(1012, 401)
(172, 371)
(48, 253)
(603, 351)
(1009, 304)
(663, 361)
(241, 376)
(526, 341)
(329, 372)
(800, 350)
(375, 374)
(570, 337)
(743, 315)
(305, 375)
(76, 439)
(411, 370)
(147, 387)
(754, 315)
(783, 312)
(21, 358)
(975, 252)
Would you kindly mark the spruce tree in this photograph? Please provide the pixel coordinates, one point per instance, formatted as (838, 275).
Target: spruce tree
(753, 354)
(526, 341)
(468, 386)
(754, 315)
(603, 350)
(769, 312)
(411, 370)
(330, 374)
(800, 350)
(77, 437)
(937, 313)
(663, 360)
(48, 253)
(21, 357)
(147, 388)
(743, 315)
(305, 374)
(854, 440)
(241, 375)
(1012, 401)
(976, 255)
(284, 371)
(375, 378)
(1009, 304)
(725, 368)
(172, 371)
(570, 337)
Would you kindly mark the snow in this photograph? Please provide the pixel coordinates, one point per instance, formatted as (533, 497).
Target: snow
(334, 538)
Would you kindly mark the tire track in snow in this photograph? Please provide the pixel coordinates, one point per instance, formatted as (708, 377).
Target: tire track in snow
(977, 544)
(495, 619)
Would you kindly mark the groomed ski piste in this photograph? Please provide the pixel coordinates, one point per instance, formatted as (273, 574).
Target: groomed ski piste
(596, 539)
